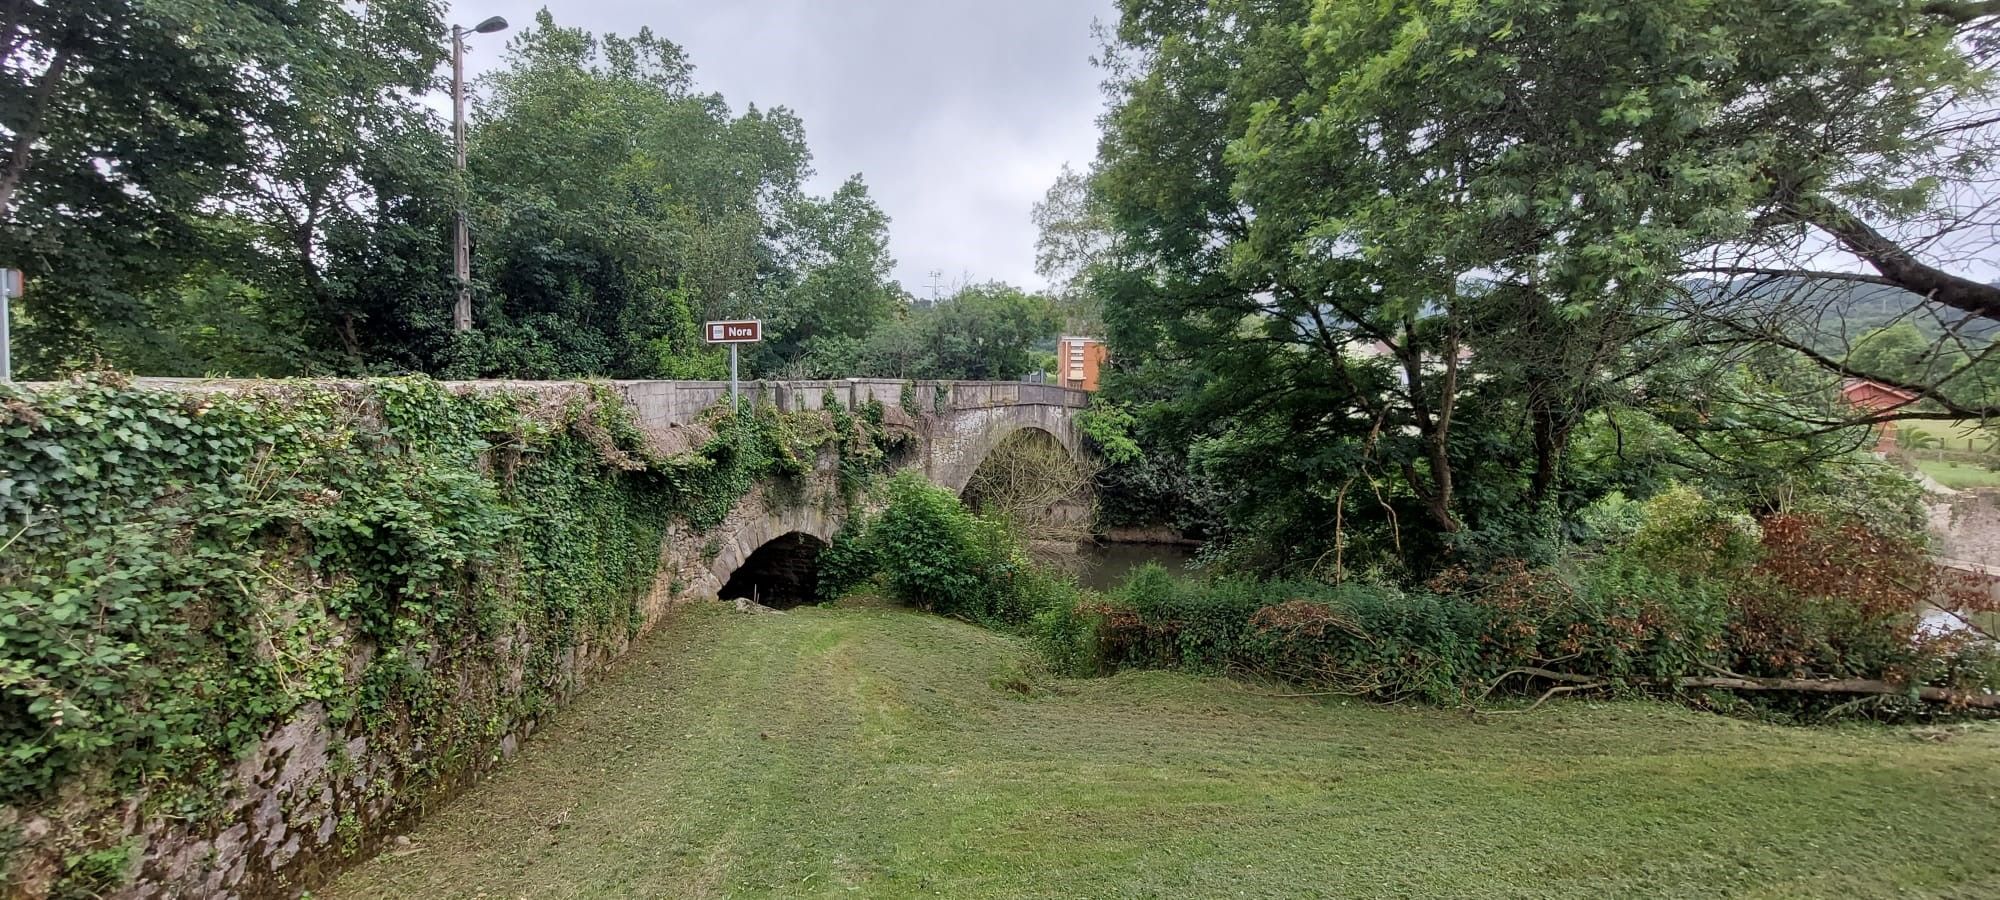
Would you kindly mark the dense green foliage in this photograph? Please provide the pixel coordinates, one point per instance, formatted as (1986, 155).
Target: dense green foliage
(985, 332)
(184, 570)
(218, 186)
(621, 207)
(931, 552)
(285, 208)
(1687, 588)
(1427, 276)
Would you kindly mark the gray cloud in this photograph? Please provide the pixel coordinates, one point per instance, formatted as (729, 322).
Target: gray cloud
(957, 113)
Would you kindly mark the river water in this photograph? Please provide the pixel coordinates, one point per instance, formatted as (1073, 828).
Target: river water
(1103, 566)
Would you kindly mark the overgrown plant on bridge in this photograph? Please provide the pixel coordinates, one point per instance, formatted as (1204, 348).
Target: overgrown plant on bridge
(184, 571)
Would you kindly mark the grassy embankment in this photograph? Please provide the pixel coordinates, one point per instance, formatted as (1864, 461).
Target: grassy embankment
(1958, 475)
(1965, 436)
(879, 753)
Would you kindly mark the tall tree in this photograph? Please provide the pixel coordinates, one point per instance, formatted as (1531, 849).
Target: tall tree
(986, 332)
(617, 207)
(118, 119)
(185, 175)
(834, 287)
(345, 153)
(1437, 239)
(1074, 236)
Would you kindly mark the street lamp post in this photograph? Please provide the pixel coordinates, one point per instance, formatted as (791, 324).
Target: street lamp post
(461, 243)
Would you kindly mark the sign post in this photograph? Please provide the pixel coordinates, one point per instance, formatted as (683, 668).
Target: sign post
(748, 331)
(11, 285)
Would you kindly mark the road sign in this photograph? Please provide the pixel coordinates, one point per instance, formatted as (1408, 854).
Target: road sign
(745, 332)
(12, 283)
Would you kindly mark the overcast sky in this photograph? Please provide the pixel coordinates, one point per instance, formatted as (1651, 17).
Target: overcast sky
(958, 113)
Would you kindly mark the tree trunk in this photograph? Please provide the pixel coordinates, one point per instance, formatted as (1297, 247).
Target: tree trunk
(1433, 428)
(1551, 432)
(22, 154)
(1861, 686)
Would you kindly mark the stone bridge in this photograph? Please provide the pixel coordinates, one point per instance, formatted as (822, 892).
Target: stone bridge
(765, 549)
(313, 776)
(957, 422)
(956, 425)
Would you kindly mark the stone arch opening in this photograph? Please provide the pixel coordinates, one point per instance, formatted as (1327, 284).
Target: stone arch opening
(781, 574)
(1031, 477)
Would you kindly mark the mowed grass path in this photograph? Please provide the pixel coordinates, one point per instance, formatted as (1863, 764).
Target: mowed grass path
(878, 753)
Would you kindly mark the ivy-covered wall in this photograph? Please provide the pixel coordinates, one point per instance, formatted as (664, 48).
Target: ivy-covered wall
(246, 633)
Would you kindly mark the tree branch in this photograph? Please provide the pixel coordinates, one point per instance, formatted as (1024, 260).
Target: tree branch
(1795, 273)
(1732, 682)
(1961, 12)
(1897, 265)
(1922, 391)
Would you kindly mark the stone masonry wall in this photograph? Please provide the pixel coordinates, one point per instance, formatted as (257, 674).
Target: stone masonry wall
(311, 798)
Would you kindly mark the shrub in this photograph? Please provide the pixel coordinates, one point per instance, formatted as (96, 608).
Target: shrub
(1621, 619)
(1611, 519)
(1831, 600)
(936, 555)
(848, 560)
(1363, 639)
(930, 548)
(1068, 635)
(1683, 529)
(1632, 619)
(1368, 641)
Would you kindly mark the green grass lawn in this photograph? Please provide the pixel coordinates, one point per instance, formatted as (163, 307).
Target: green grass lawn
(1964, 435)
(1958, 475)
(881, 753)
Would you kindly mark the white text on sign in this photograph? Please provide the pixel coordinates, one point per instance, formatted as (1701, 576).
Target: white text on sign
(746, 332)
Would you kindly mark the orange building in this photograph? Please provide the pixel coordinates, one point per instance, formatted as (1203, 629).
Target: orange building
(1078, 360)
(1874, 397)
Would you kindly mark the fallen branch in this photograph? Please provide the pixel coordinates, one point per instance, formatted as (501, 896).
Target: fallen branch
(1544, 674)
(1544, 698)
(1865, 687)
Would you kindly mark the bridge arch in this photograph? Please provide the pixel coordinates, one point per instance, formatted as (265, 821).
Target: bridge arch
(972, 435)
(773, 555)
(782, 574)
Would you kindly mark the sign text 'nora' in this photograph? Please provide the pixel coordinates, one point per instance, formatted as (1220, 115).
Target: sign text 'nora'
(745, 332)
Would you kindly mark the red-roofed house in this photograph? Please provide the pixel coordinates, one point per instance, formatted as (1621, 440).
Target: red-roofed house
(1874, 396)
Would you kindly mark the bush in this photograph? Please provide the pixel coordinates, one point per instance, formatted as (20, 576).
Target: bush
(1685, 530)
(1369, 642)
(936, 555)
(1812, 600)
(1632, 620)
(1067, 635)
(1363, 639)
(1831, 600)
(848, 561)
(1611, 519)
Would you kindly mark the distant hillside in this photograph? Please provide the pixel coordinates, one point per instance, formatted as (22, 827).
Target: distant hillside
(1845, 310)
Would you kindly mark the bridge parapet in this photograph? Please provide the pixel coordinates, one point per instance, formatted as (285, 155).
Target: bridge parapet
(661, 403)
(958, 422)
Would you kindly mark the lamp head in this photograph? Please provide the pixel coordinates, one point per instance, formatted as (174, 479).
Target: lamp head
(490, 25)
